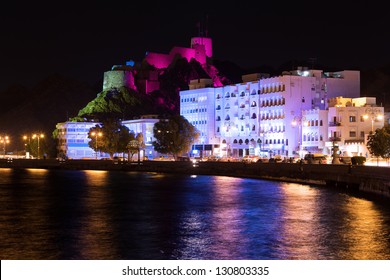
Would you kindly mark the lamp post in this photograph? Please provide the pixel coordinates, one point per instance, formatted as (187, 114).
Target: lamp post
(298, 120)
(4, 140)
(25, 137)
(38, 136)
(374, 114)
(96, 134)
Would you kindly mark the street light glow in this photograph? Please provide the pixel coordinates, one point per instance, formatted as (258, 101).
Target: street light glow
(96, 134)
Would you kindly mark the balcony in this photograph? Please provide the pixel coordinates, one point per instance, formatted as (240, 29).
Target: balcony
(335, 138)
(334, 124)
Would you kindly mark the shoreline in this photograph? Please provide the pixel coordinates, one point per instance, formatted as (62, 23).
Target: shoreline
(367, 179)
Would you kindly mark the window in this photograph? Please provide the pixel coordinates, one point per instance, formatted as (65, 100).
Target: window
(352, 134)
(352, 118)
(361, 134)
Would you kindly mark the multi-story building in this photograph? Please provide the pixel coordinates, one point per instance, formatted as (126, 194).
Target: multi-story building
(257, 116)
(351, 120)
(73, 137)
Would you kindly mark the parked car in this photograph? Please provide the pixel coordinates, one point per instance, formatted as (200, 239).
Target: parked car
(315, 158)
(345, 160)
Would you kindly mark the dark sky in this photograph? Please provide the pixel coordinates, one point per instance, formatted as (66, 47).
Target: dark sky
(82, 40)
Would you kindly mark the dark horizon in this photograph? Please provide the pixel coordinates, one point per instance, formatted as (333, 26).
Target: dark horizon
(84, 41)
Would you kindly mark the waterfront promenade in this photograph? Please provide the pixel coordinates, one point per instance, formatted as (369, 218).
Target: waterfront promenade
(369, 179)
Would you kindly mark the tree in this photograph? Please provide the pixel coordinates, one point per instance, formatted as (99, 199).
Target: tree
(379, 143)
(114, 137)
(174, 136)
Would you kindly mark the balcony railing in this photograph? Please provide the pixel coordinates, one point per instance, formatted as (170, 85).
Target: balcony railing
(334, 124)
(335, 138)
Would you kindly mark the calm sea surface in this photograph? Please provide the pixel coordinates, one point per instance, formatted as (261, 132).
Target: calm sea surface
(60, 214)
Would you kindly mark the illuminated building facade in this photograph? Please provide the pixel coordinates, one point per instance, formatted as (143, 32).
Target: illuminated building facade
(256, 117)
(73, 137)
(350, 121)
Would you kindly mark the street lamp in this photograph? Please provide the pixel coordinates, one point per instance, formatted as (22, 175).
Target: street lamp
(374, 114)
(298, 120)
(38, 136)
(96, 134)
(4, 140)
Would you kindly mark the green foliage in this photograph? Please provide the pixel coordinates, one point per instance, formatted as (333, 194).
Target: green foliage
(114, 137)
(379, 143)
(112, 103)
(174, 136)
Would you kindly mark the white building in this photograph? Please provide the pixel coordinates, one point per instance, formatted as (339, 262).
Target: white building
(257, 115)
(351, 120)
(73, 137)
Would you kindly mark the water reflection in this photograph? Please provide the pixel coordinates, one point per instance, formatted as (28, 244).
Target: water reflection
(127, 215)
(96, 234)
(365, 231)
(298, 223)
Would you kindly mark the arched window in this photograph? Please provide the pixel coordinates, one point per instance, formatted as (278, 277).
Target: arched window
(235, 141)
(240, 141)
(254, 116)
(218, 118)
(223, 141)
(253, 104)
(242, 94)
(227, 95)
(253, 127)
(227, 106)
(218, 107)
(227, 118)
(253, 92)
(320, 122)
(246, 141)
(218, 129)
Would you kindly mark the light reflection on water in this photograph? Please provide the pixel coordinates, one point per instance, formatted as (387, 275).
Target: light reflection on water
(121, 215)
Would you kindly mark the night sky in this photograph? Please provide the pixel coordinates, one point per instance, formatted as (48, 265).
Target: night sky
(83, 40)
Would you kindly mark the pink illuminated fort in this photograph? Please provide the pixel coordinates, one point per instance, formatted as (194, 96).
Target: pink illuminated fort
(201, 50)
